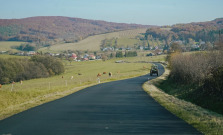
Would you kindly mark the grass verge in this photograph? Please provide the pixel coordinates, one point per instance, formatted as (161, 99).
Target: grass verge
(205, 121)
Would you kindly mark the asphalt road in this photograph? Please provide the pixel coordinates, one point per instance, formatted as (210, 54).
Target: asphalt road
(114, 108)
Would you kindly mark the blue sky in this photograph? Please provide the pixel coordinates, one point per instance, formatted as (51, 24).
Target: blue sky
(151, 12)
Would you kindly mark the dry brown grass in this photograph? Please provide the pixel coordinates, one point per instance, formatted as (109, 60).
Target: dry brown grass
(207, 122)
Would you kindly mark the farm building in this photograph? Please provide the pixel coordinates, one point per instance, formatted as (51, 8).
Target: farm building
(92, 57)
(31, 53)
(74, 56)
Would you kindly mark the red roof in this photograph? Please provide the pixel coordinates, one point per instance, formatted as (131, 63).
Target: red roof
(74, 55)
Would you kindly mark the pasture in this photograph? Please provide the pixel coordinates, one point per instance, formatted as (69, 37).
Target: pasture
(7, 45)
(18, 97)
(5, 56)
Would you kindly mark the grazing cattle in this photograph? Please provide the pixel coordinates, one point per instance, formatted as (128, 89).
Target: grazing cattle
(98, 75)
(110, 74)
(0, 86)
(79, 74)
(104, 73)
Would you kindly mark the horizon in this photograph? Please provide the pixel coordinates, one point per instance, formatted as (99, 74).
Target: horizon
(110, 21)
(145, 12)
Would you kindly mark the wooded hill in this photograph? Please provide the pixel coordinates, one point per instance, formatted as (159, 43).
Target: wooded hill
(205, 31)
(57, 28)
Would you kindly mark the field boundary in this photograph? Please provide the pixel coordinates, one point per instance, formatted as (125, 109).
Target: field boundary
(205, 121)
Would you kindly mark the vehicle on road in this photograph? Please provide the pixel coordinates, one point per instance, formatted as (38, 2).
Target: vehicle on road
(154, 70)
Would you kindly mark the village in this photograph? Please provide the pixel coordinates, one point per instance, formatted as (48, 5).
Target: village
(111, 52)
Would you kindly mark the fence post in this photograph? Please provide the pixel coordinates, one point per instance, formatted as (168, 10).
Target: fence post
(49, 85)
(12, 87)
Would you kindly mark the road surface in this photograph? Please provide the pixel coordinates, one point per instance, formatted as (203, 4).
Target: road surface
(114, 108)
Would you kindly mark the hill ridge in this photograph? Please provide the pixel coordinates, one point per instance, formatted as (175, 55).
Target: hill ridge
(57, 28)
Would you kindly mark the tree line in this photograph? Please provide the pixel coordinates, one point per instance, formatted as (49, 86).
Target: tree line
(119, 54)
(186, 36)
(17, 69)
(204, 31)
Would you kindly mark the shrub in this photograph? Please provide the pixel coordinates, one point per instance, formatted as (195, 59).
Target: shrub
(53, 65)
(119, 54)
(213, 84)
(195, 67)
(26, 47)
(15, 69)
(130, 53)
(197, 77)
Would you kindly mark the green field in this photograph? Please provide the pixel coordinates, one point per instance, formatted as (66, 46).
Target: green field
(7, 45)
(127, 42)
(93, 43)
(154, 43)
(19, 97)
(6, 56)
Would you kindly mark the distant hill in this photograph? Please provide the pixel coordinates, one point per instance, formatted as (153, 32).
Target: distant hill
(57, 28)
(205, 31)
(197, 26)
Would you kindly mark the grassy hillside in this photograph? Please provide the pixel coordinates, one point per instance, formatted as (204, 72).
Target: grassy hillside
(127, 38)
(125, 42)
(93, 42)
(7, 45)
(19, 97)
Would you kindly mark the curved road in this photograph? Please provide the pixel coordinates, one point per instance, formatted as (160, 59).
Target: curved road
(114, 108)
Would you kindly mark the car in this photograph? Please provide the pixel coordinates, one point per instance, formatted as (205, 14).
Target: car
(150, 54)
(154, 70)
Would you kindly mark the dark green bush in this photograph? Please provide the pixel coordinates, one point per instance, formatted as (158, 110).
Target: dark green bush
(15, 69)
(53, 65)
(213, 84)
(130, 53)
